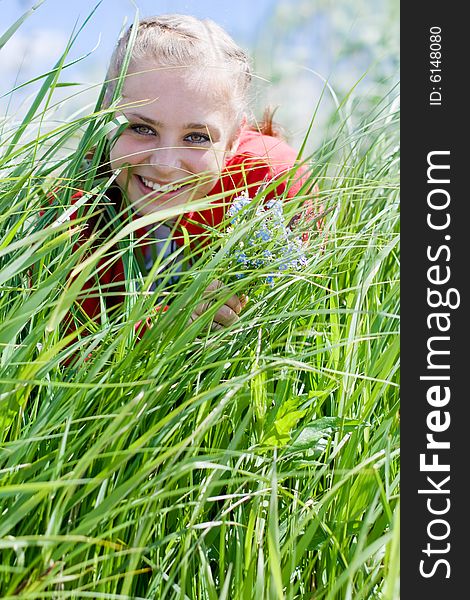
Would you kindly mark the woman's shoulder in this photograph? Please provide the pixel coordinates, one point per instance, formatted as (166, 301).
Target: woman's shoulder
(264, 158)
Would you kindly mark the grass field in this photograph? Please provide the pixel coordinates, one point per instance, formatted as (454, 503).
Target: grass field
(258, 461)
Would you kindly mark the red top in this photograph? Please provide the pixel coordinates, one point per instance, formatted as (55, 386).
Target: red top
(259, 159)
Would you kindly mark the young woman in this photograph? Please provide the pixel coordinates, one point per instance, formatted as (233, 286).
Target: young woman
(187, 137)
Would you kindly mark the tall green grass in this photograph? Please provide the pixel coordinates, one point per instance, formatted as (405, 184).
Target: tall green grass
(258, 461)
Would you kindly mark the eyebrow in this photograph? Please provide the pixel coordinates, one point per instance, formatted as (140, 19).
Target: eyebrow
(160, 124)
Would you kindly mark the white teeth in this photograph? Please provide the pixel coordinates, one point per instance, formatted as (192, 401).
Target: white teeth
(161, 188)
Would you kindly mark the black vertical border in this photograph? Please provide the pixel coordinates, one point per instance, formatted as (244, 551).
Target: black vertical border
(426, 128)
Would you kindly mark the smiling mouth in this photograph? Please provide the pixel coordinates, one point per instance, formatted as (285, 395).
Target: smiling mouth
(164, 189)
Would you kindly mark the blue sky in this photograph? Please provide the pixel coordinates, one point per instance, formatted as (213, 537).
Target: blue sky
(339, 39)
(236, 16)
(42, 35)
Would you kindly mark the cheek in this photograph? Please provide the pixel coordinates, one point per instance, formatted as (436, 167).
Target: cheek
(211, 162)
(116, 153)
(120, 154)
(124, 151)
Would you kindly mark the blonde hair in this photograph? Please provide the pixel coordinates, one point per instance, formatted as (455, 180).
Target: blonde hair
(181, 41)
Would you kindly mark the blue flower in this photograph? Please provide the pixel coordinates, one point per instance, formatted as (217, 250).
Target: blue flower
(269, 241)
(276, 207)
(263, 234)
(237, 206)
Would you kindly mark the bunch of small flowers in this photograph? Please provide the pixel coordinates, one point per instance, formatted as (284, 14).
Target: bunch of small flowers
(264, 243)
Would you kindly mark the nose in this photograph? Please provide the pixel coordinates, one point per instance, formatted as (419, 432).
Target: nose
(167, 160)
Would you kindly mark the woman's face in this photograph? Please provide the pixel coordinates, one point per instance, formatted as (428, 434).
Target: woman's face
(175, 145)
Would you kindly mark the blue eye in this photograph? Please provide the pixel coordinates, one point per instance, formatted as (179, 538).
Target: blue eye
(198, 138)
(142, 129)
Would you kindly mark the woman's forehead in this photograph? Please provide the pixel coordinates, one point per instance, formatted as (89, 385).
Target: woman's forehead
(195, 91)
(213, 78)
